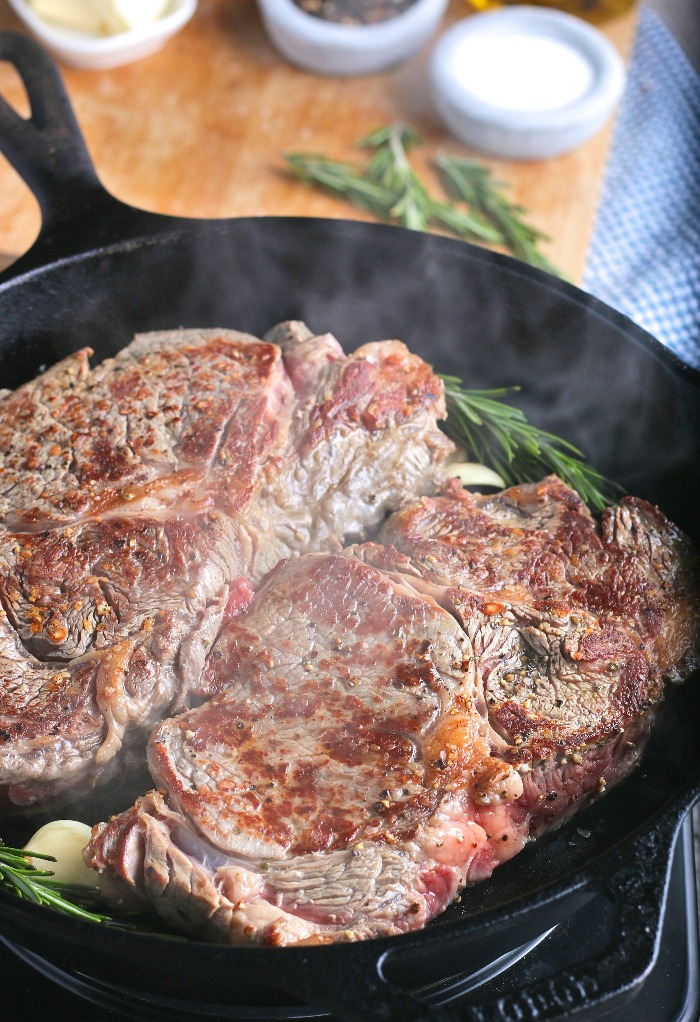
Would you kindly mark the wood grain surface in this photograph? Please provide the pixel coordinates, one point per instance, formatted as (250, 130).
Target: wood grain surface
(199, 129)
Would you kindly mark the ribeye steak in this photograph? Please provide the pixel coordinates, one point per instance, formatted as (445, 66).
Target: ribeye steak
(141, 502)
(327, 792)
(390, 723)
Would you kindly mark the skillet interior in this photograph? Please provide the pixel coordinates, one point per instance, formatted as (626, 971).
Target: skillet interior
(586, 373)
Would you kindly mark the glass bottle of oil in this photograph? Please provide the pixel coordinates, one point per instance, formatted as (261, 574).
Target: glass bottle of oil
(591, 10)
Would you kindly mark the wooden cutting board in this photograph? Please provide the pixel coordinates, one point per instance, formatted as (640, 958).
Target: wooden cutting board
(199, 129)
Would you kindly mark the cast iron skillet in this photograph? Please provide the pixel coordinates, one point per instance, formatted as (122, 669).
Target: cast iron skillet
(101, 271)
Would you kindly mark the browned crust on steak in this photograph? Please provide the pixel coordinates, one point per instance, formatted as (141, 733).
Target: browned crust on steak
(377, 394)
(142, 500)
(340, 784)
(341, 685)
(76, 441)
(587, 619)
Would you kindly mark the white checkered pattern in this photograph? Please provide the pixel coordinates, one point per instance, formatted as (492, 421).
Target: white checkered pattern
(644, 257)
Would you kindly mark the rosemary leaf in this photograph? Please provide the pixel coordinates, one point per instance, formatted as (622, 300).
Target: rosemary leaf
(471, 226)
(59, 899)
(499, 435)
(16, 881)
(398, 133)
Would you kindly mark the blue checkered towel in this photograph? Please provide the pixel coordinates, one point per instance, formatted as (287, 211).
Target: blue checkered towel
(644, 257)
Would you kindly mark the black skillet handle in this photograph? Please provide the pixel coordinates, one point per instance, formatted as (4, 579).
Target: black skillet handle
(635, 877)
(49, 152)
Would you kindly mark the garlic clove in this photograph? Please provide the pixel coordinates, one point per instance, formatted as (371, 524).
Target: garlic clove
(65, 840)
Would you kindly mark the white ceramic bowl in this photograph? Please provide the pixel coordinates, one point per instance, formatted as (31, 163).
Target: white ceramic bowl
(97, 53)
(329, 48)
(525, 82)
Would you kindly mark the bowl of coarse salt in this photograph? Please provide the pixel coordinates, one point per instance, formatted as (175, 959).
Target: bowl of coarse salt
(525, 82)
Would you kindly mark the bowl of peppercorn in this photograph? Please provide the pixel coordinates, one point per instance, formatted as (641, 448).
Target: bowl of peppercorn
(350, 37)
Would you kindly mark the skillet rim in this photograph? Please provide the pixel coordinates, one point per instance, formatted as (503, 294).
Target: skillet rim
(144, 227)
(366, 955)
(157, 230)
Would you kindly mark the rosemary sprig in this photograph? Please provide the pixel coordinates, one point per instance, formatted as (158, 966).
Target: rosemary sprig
(475, 209)
(498, 434)
(18, 875)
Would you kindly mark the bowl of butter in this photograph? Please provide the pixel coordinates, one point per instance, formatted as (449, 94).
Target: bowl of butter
(100, 34)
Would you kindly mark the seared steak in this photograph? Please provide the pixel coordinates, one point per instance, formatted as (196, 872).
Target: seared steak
(329, 792)
(388, 725)
(577, 624)
(144, 499)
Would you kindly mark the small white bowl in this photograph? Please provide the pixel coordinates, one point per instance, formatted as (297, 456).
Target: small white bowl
(329, 48)
(97, 53)
(525, 82)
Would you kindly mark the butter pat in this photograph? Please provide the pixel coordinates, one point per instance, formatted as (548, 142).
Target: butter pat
(100, 17)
